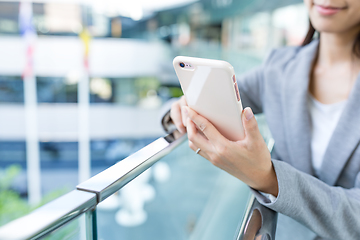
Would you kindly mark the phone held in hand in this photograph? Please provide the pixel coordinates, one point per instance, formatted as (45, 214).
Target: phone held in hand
(210, 88)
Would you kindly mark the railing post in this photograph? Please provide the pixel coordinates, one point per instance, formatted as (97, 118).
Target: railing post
(91, 225)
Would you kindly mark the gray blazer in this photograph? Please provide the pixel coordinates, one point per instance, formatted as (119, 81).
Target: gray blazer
(328, 204)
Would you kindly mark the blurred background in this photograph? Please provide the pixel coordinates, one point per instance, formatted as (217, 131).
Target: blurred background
(82, 83)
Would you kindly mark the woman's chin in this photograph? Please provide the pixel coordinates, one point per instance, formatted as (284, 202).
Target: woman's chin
(328, 26)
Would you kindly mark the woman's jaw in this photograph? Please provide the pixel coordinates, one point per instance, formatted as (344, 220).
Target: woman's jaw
(334, 16)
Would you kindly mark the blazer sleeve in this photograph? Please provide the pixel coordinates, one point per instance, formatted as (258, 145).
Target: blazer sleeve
(331, 212)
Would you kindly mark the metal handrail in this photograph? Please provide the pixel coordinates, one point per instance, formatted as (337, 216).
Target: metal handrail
(49, 217)
(112, 179)
(88, 194)
(258, 221)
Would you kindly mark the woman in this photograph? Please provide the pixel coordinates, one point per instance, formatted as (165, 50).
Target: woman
(310, 96)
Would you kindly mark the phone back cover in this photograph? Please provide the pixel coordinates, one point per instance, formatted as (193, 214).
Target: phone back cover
(209, 90)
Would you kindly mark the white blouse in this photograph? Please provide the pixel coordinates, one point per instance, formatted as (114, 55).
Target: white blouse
(324, 118)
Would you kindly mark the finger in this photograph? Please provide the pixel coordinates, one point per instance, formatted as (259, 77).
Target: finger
(195, 136)
(192, 146)
(250, 125)
(184, 117)
(195, 148)
(175, 115)
(205, 126)
(199, 140)
(182, 103)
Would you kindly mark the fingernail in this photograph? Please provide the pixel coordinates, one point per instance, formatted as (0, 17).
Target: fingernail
(248, 113)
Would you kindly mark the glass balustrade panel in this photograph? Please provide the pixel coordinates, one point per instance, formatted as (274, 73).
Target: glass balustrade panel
(183, 196)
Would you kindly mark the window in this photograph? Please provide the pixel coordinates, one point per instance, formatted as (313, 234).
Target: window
(11, 89)
(56, 90)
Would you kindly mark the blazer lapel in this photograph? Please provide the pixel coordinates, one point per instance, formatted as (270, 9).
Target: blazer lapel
(295, 107)
(344, 140)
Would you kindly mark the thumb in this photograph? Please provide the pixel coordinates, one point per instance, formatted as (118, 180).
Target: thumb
(250, 124)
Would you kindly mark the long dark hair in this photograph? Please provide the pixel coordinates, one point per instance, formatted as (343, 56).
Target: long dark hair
(311, 32)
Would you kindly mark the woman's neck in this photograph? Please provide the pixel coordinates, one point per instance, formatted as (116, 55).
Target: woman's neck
(337, 48)
(335, 68)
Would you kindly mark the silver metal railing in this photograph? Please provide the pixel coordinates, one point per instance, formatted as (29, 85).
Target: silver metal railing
(90, 193)
(259, 222)
(50, 216)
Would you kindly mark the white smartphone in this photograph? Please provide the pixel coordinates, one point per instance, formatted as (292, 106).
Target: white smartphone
(210, 88)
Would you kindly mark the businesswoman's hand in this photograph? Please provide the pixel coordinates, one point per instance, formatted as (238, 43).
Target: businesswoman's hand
(176, 114)
(249, 159)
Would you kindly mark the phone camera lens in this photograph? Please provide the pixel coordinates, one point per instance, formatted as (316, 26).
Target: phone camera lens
(182, 64)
